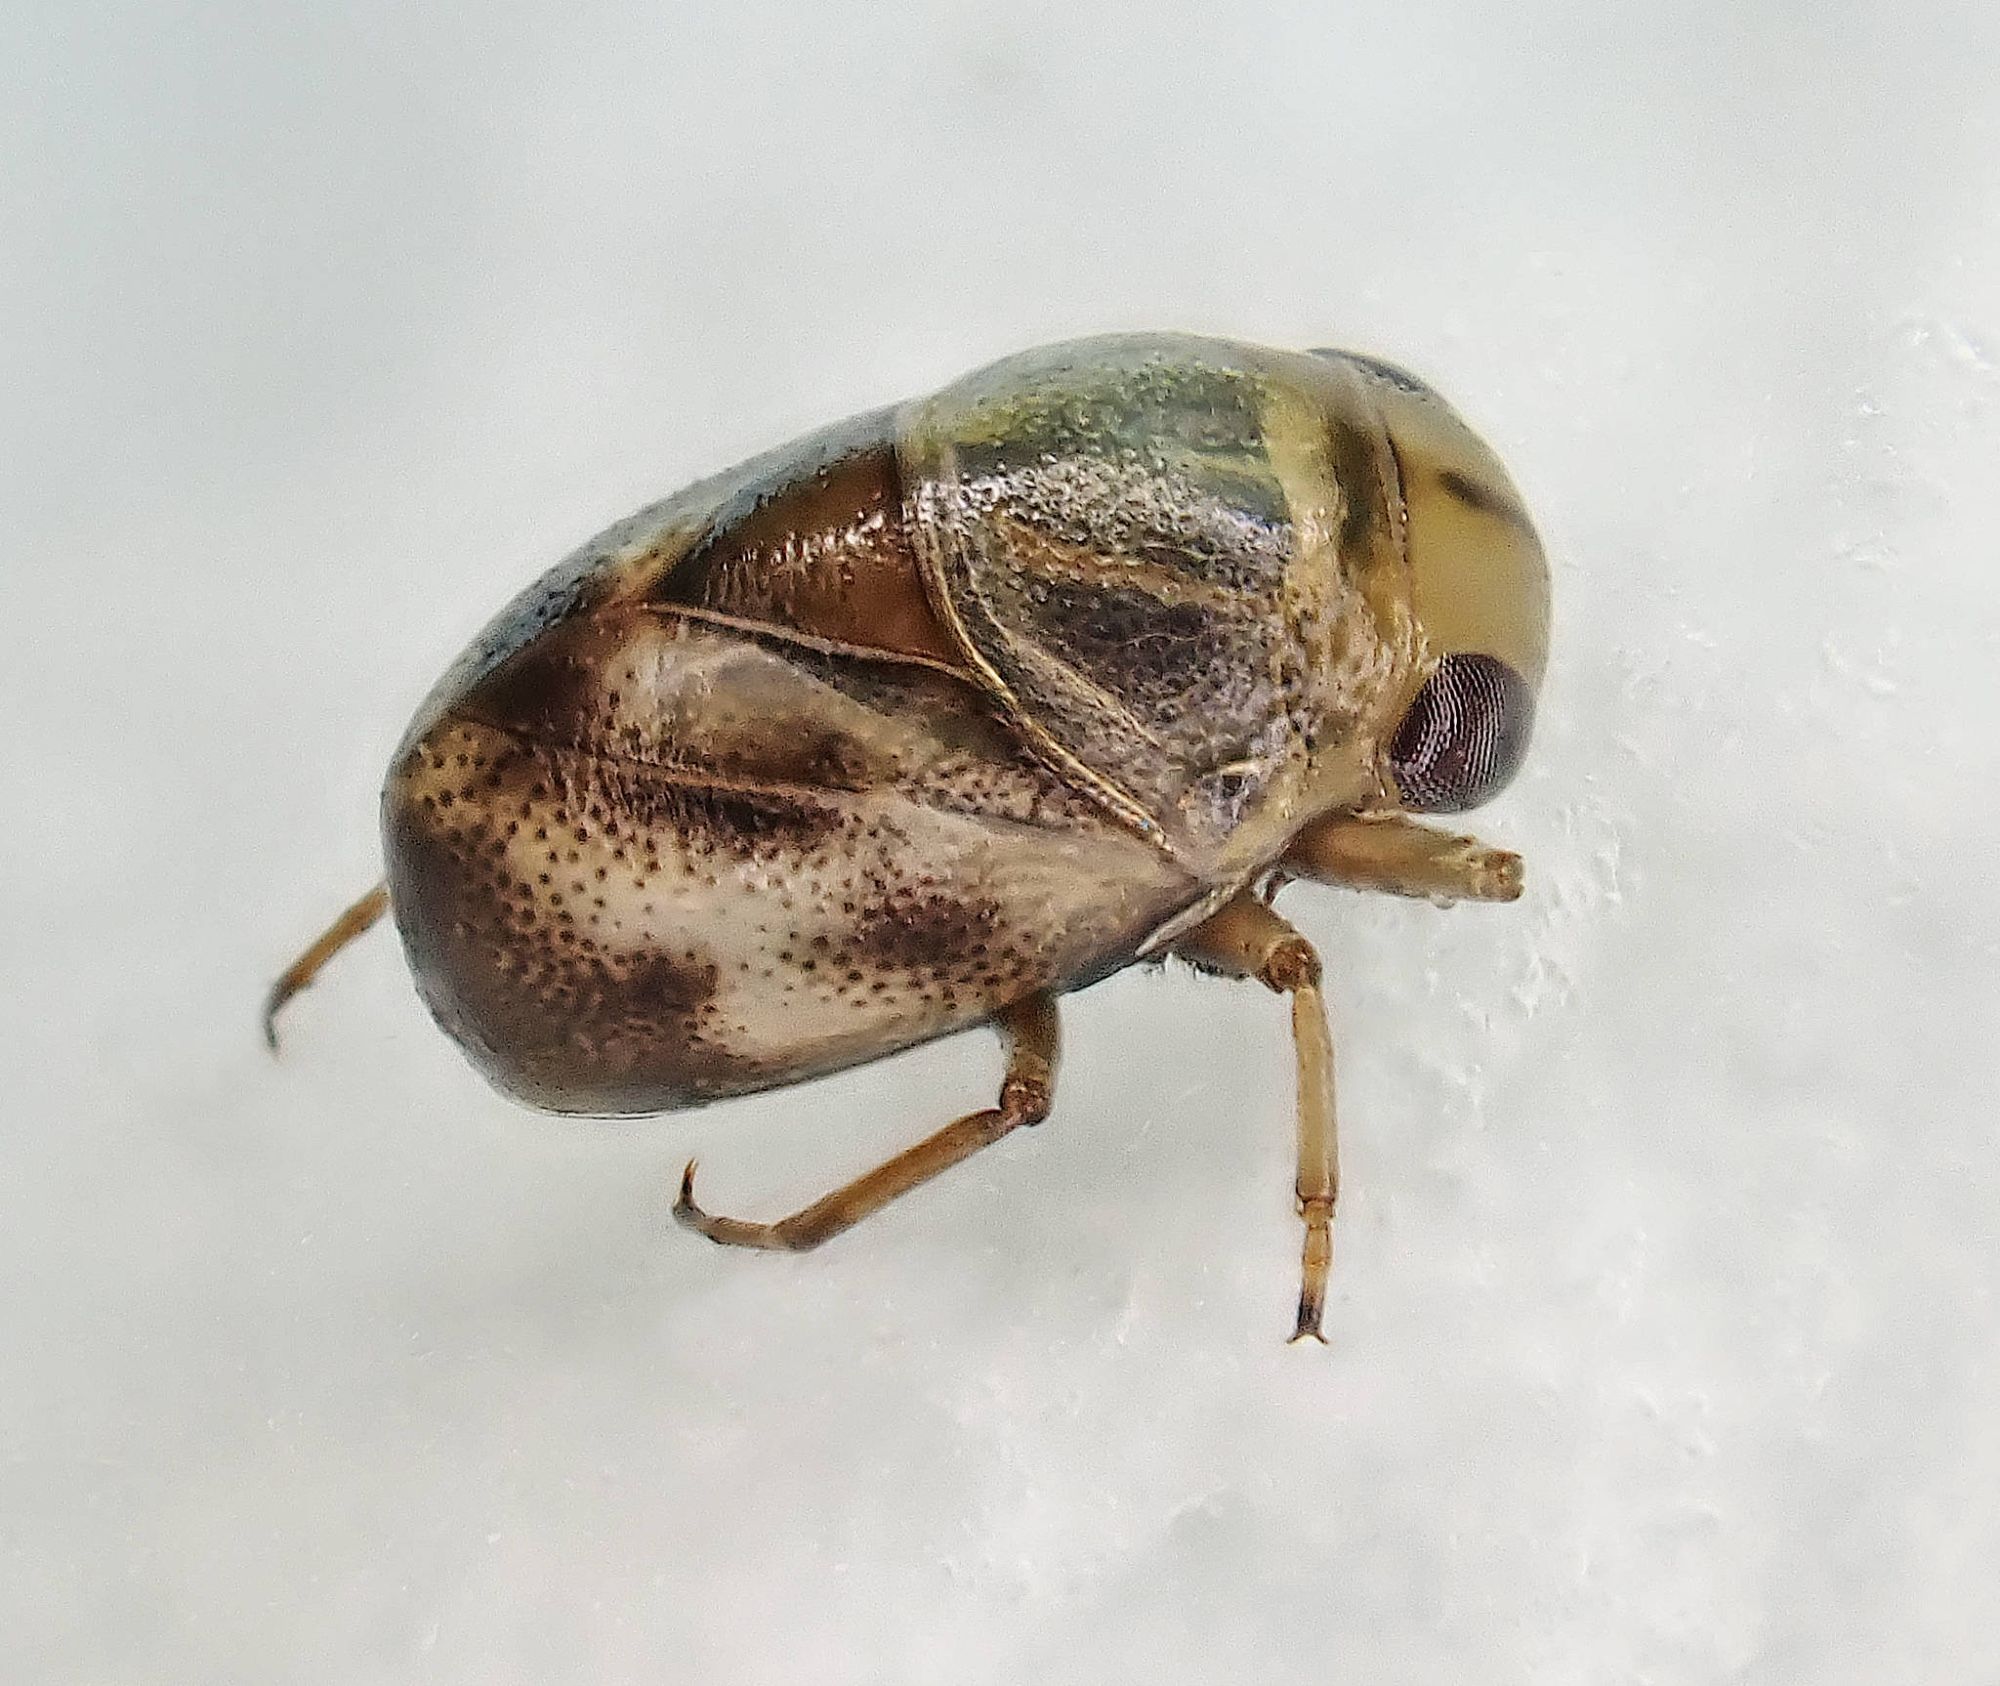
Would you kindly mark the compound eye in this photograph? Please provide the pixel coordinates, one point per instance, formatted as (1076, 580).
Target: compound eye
(1464, 736)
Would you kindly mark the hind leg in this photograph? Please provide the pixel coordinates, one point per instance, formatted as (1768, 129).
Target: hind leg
(1033, 1034)
(303, 970)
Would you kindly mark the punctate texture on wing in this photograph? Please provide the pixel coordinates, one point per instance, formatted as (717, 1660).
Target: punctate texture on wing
(719, 824)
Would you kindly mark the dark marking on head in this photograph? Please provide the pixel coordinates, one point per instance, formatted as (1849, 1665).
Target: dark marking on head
(1359, 477)
(1488, 500)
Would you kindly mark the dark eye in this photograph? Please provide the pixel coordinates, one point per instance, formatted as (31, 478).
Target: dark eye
(1464, 735)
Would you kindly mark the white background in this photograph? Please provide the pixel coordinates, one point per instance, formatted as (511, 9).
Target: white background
(1663, 1324)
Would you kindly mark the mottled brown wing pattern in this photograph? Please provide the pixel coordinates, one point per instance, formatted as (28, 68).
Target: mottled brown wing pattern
(726, 828)
(777, 873)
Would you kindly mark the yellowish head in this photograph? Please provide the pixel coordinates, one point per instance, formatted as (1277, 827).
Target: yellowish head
(1479, 593)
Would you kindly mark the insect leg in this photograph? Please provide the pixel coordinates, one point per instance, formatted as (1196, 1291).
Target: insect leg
(1033, 1038)
(1392, 852)
(1247, 940)
(303, 970)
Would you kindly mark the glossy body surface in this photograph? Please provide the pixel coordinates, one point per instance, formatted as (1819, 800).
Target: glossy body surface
(944, 711)
(857, 743)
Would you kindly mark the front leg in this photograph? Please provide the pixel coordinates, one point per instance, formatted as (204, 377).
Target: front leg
(1394, 853)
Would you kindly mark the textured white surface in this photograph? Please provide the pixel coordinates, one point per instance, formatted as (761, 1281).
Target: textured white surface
(1664, 1334)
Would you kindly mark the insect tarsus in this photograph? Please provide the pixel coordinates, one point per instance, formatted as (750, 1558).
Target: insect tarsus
(331, 941)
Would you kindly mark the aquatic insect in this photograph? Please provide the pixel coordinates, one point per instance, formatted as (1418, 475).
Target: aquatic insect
(948, 709)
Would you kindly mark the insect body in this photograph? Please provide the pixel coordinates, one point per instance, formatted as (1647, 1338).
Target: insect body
(941, 712)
